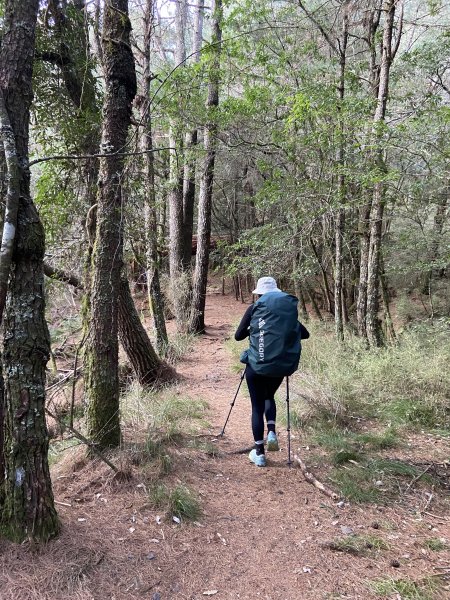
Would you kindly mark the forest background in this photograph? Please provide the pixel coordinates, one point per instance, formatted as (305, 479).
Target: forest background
(160, 143)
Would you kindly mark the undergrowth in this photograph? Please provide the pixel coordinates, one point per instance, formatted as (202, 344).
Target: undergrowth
(401, 385)
(180, 501)
(359, 545)
(166, 413)
(166, 418)
(428, 588)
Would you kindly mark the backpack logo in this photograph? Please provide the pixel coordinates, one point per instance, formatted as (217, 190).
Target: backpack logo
(261, 323)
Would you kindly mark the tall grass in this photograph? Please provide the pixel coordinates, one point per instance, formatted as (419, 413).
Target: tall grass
(403, 384)
(167, 411)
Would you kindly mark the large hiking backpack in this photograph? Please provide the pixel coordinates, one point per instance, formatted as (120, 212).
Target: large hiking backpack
(275, 344)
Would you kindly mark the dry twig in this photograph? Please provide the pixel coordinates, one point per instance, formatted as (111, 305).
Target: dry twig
(310, 478)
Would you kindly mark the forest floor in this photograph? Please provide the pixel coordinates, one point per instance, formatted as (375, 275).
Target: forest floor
(264, 533)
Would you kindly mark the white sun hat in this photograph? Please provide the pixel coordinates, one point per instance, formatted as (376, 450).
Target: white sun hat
(264, 285)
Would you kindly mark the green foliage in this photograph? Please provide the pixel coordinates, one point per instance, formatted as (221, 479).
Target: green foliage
(372, 480)
(58, 447)
(56, 200)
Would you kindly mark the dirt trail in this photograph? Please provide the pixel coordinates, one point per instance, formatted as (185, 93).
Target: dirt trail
(262, 535)
(264, 529)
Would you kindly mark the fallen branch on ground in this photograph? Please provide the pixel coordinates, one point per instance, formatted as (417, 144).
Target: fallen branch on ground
(314, 481)
(416, 479)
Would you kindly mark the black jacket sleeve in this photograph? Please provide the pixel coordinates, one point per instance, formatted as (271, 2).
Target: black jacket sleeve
(242, 331)
(304, 333)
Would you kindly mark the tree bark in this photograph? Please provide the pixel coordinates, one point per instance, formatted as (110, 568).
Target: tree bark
(180, 284)
(340, 216)
(326, 285)
(86, 103)
(190, 146)
(373, 22)
(361, 302)
(101, 359)
(207, 178)
(146, 364)
(373, 325)
(438, 227)
(12, 201)
(314, 304)
(155, 295)
(27, 510)
(387, 309)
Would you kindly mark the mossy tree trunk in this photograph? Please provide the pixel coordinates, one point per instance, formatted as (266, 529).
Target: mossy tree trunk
(101, 361)
(27, 510)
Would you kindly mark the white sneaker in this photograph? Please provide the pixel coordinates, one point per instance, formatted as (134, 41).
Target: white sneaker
(258, 459)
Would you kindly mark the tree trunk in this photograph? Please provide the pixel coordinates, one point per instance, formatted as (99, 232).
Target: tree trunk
(340, 216)
(189, 198)
(314, 304)
(373, 22)
(438, 227)
(191, 144)
(326, 285)
(301, 300)
(153, 280)
(376, 220)
(387, 308)
(338, 274)
(82, 94)
(361, 302)
(146, 364)
(27, 510)
(101, 362)
(207, 178)
(180, 285)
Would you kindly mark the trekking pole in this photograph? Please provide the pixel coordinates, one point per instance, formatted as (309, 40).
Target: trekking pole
(232, 404)
(288, 422)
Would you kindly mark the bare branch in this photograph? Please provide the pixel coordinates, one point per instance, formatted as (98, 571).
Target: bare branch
(90, 156)
(319, 27)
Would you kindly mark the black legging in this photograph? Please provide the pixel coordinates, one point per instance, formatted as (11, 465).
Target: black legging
(262, 391)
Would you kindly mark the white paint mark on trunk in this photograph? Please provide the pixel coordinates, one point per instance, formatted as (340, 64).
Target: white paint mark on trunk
(9, 232)
(20, 476)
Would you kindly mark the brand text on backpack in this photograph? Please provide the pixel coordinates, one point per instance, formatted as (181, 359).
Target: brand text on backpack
(261, 324)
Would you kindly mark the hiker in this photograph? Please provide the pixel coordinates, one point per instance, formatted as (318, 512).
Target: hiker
(275, 333)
